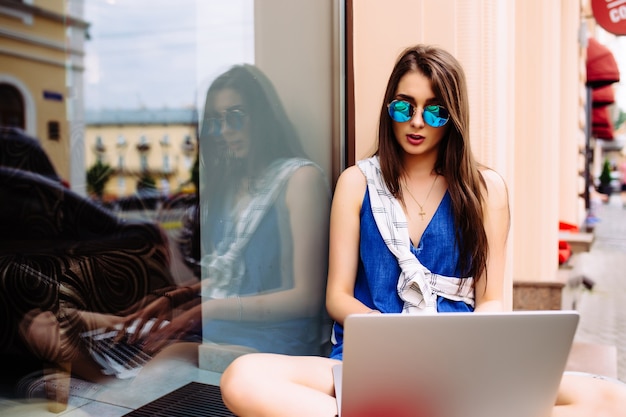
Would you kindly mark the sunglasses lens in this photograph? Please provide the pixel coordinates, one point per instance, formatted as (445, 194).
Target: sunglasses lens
(235, 119)
(213, 126)
(400, 111)
(436, 116)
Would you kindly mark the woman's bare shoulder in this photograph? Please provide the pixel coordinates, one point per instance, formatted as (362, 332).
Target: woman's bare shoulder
(307, 175)
(497, 193)
(352, 175)
(350, 185)
(306, 185)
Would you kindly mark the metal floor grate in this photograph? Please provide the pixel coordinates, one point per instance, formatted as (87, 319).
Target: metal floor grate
(193, 399)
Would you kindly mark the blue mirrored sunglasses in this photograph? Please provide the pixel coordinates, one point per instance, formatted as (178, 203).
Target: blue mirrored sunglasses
(235, 119)
(434, 115)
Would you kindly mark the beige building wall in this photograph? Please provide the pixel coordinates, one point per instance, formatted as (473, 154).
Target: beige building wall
(536, 140)
(57, 6)
(573, 115)
(522, 62)
(41, 52)
(31, 46)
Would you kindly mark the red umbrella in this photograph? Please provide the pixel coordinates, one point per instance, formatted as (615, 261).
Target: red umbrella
(601, 66)
(603, 96)
(601, 124)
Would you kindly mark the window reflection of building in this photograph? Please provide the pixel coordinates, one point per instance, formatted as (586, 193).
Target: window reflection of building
(143, 162)
(99, 149)
(188, 149)
(121, 182)
(143, 147)
(11, 106)
(121, 142)
(144, 144)
(166, 164)
(165, 148)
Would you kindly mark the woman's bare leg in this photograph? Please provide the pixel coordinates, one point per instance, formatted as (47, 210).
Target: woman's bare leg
(263, 384)
(586, 396)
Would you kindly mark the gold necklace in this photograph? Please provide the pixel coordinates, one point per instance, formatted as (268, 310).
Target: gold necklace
(422, 213)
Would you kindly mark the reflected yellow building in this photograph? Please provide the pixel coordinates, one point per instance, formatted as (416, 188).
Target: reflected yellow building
(156, 143)
(41, 73)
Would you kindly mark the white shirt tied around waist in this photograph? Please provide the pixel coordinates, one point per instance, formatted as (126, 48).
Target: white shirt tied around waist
(417, 286)
(223, 271)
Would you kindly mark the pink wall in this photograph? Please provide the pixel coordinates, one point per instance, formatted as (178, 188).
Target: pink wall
(521, 59)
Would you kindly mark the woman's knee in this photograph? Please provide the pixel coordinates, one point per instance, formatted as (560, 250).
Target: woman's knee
(240, 377)
(582, 395)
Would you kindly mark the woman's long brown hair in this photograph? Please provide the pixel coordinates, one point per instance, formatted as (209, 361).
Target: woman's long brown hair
(455, 161)
(273, 137)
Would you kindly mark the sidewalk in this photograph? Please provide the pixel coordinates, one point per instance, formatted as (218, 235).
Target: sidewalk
(603, 308)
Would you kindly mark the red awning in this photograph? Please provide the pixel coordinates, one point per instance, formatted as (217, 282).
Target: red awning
(601, 66)
(601, 124)
(602, 96)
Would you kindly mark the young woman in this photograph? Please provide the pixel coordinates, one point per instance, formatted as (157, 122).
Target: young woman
(456, 213)
(457, 219)
(262, 224)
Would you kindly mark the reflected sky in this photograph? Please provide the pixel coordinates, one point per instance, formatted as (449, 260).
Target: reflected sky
(162, 53)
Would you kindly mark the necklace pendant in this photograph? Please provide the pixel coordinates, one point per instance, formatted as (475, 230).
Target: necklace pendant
(422, 213)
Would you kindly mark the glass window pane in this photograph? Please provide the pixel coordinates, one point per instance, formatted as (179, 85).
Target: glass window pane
(191, 170)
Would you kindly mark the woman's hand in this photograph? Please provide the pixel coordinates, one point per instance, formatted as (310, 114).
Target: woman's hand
(159, 337)
(159, 309)
(152, 317)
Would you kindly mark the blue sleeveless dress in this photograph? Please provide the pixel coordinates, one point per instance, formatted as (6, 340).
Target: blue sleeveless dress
(378, 270)
(262, 257)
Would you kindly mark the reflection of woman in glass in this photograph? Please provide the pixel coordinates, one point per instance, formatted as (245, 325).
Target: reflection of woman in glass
(263, 228)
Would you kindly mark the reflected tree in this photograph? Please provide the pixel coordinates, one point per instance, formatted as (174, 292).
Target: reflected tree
(97, 177)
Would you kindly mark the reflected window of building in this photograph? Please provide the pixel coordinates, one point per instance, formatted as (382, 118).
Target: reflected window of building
(121, 141)
(99, 146)
(187, 161)
(120, 163)
(166, 164)
(165, 140)
(121, 185)
(54, 130)
(188, 146)
(143, 162)
(11, 106)
(143, 145)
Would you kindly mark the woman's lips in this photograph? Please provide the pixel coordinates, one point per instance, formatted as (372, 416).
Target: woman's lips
(415, 139)
(235, 145)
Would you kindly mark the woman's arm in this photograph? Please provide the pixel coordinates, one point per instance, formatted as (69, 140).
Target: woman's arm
(344, 245)
(489, 289)
(307, 201)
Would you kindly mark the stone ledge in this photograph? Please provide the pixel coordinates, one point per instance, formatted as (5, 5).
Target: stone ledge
(537, 295)
(216, 358)
(578, 241)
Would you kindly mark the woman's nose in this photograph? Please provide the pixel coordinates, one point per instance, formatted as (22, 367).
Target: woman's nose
(417, 120)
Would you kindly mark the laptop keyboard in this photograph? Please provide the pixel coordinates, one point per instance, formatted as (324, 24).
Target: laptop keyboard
(119, 358)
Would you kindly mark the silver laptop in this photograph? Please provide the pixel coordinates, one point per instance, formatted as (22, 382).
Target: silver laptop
(453, 365)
